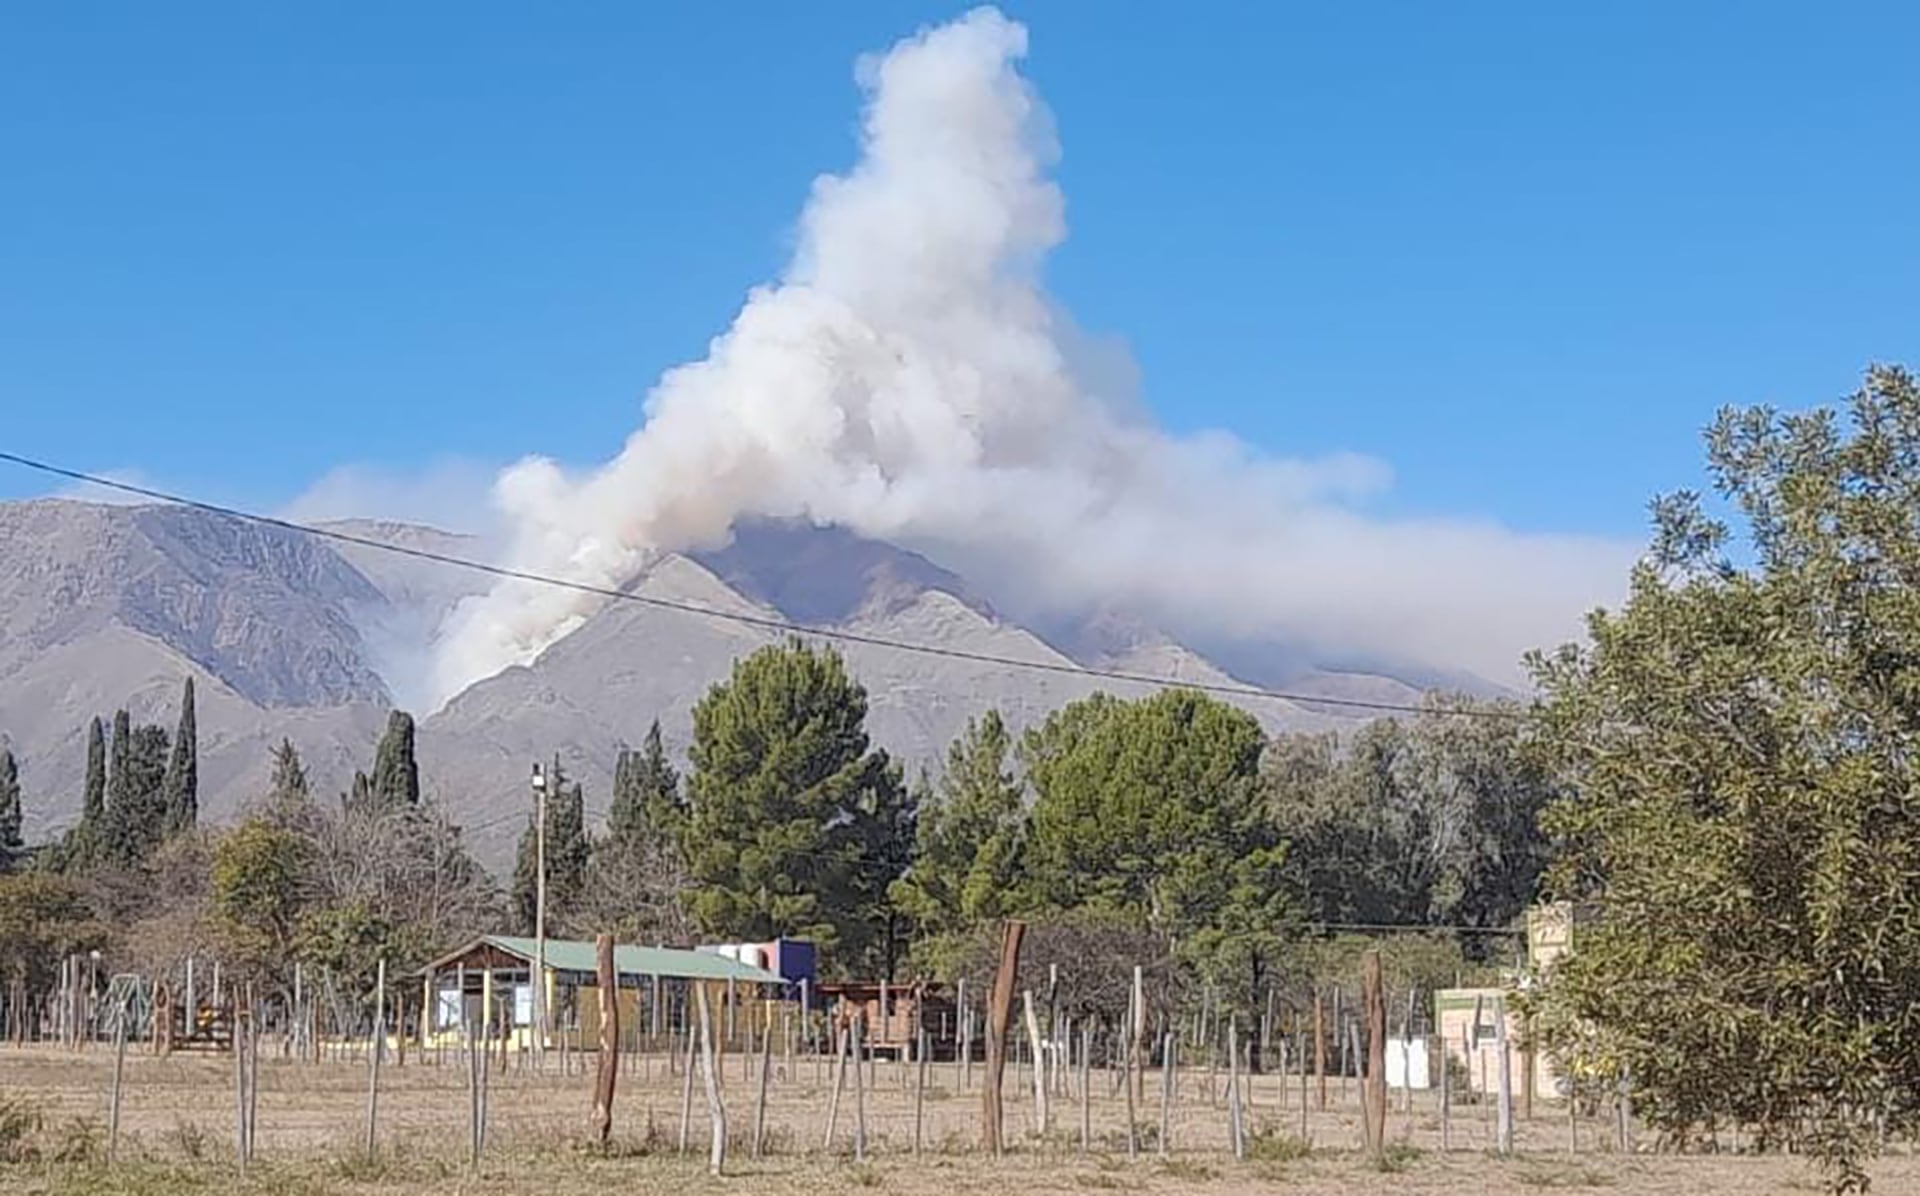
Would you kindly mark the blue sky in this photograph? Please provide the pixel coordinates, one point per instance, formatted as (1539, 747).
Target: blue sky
(1518, 252)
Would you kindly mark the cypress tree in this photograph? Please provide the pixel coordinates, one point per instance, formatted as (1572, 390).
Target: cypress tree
(147, 825)
(109, 841)
(93, 811)
(9, 810)
(181, 788)
(396, 775)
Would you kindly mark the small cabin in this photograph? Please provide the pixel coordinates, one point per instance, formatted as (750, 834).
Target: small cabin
(485, 989)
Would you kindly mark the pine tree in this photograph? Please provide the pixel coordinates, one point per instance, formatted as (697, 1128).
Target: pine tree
(646, 794)
(786, 802)
(396, 775)
(181, 788)
(10, 842)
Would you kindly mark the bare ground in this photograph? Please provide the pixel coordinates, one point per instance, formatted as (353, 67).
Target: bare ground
(177, 1131)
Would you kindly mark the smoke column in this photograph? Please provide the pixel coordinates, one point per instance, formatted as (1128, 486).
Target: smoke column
(909, 378)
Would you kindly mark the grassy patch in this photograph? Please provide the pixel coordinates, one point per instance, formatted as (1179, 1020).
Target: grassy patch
(1397, 1157)
(1563, 1175)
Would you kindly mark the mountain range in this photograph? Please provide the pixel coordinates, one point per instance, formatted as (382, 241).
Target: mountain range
(293, 635)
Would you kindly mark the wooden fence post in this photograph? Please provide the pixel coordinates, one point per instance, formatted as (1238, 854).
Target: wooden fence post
(920, 1052)
(607, 1069)
(1167, 1065)
(1320, 1046)
(999, 1010)
(373, 1056)
(710, 1075)
(1374, 1001)
(1503, 1115)
(860, 1079)
(119, 1067)
(686, 1093)
(1039, 1064)
(760, 1097)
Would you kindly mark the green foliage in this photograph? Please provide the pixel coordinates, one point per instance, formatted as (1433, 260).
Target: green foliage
(1744, 745)
(785, 802)
(82, 842)
(180, 789)
(350, 939)
(259, 875)
(136, 818)
(1145, 808)
(1432, 820)
(965, 860)
(396, 775)
(647, 805)
(10, 841)
(43, 919)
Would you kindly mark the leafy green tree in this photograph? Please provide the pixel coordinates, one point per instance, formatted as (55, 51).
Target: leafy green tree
(43, 919)
(965, 863)
(1427, 821)
(785, 805)
(259, 878)
(1740, 746)
(396, 774)
(10, 842)
(181, 787)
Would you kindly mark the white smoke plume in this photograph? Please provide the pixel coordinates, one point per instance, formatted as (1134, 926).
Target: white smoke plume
(909, 378)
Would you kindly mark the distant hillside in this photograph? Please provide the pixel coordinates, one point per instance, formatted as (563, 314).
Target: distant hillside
(309, 638)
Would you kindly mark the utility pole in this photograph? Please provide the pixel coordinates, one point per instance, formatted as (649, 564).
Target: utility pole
(539, 1010)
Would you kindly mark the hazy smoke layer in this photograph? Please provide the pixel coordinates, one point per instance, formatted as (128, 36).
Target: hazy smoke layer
(910, 379)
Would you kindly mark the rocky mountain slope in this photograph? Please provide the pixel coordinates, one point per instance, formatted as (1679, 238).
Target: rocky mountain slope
(310, 638)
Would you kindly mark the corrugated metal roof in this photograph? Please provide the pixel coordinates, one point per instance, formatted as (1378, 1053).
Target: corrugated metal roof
(574, 955)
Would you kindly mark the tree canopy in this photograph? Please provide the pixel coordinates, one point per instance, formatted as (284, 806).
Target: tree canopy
(785, 800)
(1740, 743)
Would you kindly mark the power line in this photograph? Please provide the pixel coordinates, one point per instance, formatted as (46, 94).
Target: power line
(769, 623)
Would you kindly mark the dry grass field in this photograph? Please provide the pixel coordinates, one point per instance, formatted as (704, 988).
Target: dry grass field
(177, 1130)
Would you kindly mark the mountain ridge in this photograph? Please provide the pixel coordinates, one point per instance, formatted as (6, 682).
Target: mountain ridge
(310, 638)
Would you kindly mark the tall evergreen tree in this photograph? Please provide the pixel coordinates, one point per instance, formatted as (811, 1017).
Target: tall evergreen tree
(396, 775)
(94, 808)
(149, 819)
(646, 794)
(965, 861)
(10, 843)
(110, 841)
(181, 789)
(635, 876)
(784, 802)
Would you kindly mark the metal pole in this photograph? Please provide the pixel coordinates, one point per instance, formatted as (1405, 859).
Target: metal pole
(539, 1002)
